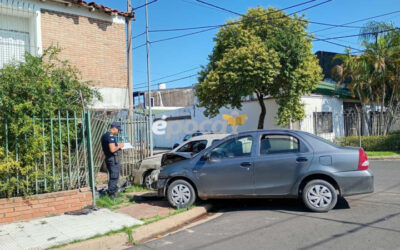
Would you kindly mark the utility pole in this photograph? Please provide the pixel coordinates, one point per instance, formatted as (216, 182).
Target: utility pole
(148, 80)
(130, 78)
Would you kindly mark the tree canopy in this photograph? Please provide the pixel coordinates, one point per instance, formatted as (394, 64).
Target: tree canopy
(266, 53)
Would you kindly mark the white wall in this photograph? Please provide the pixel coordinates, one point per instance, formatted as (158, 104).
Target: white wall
(113, 98)
(320, 103)
(176, 130)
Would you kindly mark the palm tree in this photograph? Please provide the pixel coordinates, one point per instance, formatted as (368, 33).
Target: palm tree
(355, 69)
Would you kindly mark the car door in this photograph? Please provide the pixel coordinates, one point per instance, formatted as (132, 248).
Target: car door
(281, 158)
(228, 171)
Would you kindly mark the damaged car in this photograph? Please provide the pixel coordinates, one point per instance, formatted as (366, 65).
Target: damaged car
(147, 173)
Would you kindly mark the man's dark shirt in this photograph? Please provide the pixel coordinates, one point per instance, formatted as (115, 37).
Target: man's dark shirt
(106, 139)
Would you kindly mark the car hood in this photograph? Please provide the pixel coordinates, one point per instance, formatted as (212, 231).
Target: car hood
(156, 159)
(172, 157)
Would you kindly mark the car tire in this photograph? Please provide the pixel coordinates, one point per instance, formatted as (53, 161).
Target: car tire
(181, 194)
(147, 182)
(319, 196)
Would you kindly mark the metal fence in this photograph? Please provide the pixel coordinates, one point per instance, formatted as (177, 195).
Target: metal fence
(333, 126)
(56, 153)
(56, 159)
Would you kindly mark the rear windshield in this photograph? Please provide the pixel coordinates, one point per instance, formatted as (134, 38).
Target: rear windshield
(322, 139)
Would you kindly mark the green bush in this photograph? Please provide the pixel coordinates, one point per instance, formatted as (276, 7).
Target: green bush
(374, 143)
(29, 90)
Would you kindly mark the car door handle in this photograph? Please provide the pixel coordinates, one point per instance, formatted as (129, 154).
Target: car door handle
(301, 159)
(245, 164)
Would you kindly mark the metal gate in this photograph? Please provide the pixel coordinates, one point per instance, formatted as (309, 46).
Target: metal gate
(136, 131)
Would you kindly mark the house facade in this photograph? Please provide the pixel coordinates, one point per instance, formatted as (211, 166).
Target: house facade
(92, 38)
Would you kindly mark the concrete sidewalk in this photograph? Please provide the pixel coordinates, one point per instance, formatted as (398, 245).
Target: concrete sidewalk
(51, 231)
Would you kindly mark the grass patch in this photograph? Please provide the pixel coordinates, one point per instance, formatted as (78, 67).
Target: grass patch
(135, 188)
(112, 204)
(383, 153)
(122, 201)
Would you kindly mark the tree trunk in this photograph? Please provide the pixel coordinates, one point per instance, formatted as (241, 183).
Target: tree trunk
(260, 98)
(381, 120)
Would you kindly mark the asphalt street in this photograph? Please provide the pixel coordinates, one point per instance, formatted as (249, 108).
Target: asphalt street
(370, 221)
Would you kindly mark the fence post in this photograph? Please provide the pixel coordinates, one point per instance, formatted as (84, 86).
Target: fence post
(90, 156)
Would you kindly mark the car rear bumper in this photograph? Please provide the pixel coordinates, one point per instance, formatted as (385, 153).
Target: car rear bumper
(355, 182)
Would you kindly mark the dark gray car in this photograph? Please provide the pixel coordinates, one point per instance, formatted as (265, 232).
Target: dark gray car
(269, 163)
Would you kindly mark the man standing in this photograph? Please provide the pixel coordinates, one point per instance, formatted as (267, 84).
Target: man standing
(111, 150)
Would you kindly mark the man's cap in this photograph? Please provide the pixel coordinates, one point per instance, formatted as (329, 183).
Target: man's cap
(116, 125)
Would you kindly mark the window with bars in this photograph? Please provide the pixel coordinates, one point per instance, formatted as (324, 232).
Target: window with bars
(323, 122)
(13, 45)
(16, 26)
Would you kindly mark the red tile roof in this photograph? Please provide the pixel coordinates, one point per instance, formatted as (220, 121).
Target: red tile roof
(100, 7)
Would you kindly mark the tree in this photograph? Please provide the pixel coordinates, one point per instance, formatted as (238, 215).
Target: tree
(375, 75)
(265, 53)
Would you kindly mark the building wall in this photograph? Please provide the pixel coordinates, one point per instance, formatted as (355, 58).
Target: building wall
(177, 129)
(318, 103)
(20, 208)
(97, 47)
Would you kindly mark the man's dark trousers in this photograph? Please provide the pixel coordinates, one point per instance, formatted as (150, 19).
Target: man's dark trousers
(113, 168)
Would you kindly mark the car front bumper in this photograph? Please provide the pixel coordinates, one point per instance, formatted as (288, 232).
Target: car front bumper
(355, 182)
(161, 187)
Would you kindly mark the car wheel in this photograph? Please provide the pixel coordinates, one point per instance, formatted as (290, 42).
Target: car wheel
(319, 196)
(181, 194)
(148, 182)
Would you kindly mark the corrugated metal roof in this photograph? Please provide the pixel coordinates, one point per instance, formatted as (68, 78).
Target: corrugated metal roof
(327, 88)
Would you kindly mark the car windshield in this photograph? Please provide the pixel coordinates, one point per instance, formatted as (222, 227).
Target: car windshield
(193, 146)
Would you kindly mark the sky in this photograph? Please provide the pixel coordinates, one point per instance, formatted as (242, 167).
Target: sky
(182, 58)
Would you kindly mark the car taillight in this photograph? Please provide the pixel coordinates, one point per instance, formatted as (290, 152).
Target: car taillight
(363, 163)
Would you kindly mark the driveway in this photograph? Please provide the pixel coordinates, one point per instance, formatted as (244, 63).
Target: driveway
(369, 221)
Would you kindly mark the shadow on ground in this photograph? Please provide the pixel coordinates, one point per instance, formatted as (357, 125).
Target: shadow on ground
(294, 205)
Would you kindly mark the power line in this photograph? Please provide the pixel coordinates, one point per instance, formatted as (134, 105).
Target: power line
(355, 35)
(360, 20)
(141, 34)
(169, 76)
(313, 6)
(284, 16)
(174, 80)
(216, 26)
(236, 13)
(144, 5)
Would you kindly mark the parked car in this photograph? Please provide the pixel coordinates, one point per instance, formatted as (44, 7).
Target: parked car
(149, 168)
(269, 163)
(188, 136)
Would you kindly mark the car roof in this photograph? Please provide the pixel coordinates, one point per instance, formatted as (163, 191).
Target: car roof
(208, 137)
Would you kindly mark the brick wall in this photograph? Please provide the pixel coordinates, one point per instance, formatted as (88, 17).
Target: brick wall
(16, 209)
(96, 47)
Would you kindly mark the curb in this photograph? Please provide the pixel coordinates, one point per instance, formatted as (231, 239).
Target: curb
(384, 158)
(142, 233)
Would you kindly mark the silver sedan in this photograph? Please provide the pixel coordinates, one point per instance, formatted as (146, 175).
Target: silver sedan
(271, 164)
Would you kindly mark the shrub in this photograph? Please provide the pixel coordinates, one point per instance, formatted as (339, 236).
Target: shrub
(374, 143)
(29, 90)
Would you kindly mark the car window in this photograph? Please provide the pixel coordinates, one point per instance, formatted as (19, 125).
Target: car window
(278, 144)
(215, 141)
(187, 137)
(193, 146)
(235, 147)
